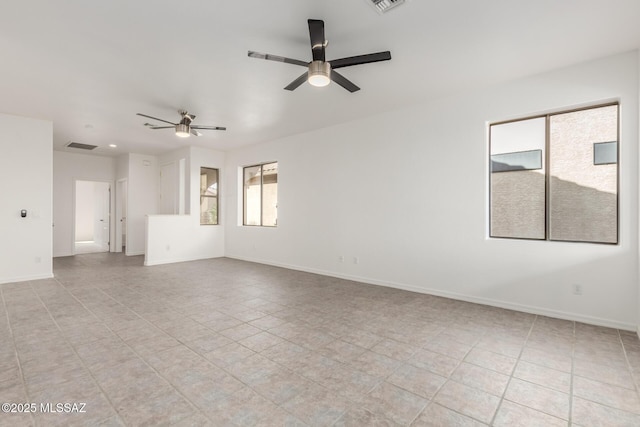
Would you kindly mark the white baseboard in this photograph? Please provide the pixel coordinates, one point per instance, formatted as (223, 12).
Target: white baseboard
(174, 260)
(60, 255)
(565, 315)
(25, 278)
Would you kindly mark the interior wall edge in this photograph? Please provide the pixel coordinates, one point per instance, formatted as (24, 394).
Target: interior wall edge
(19, 279)
(178, 259)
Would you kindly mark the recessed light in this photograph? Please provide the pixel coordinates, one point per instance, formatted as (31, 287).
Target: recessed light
(112, 145)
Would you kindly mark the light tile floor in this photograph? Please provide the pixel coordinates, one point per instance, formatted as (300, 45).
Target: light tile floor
(226, 342)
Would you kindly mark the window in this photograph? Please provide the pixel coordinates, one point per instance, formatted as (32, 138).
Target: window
(208, 196)
(555, 177)
(261, 195)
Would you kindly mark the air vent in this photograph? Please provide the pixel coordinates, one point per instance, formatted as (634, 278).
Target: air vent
(81, 146)
(383, 6)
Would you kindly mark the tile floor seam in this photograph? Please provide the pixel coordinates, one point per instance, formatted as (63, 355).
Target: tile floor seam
(223, 368)
(448, 378)
(572, 377)
(513, 370)
(17, 355)
(130, 348)
(629, 367)
(162, 330)
(400, 365)
(280, 405)
(307, 379)
(426, 405)
(609, 406)
(347, 365)
(97, 384)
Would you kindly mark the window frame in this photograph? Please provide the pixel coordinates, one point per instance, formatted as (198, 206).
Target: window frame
(217, 196)
(244, 195)
(547, 174)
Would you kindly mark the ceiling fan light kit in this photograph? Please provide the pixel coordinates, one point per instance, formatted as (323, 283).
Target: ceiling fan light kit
(319, 73)
(182, 130)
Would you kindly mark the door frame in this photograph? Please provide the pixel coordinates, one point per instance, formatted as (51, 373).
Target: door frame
(117, 217)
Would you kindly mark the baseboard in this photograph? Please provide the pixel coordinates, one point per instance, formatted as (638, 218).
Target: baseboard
(576, 317)
(175, 260)
(63, 255)
(25, 278)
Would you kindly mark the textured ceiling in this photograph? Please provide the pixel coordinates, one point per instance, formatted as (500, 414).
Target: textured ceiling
(91, 66)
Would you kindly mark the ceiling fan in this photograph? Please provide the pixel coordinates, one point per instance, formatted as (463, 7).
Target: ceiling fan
(184, 127)
(321, 72)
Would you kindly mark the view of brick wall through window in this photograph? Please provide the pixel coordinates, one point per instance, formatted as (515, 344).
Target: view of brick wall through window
(583, 196)
(261, 195)
(579, 185)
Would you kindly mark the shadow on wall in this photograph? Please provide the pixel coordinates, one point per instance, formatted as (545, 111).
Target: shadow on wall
(582, 213)
(576, 212)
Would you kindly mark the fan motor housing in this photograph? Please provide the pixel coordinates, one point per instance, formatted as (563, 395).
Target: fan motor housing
(182, 130)
(319, 73)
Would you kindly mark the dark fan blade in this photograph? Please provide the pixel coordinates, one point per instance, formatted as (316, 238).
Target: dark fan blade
(316, 34)
(155, 118)
(209, 127)
(360, 59)
(162, 127)
(342, 81)
(297, 82)
(277, 58)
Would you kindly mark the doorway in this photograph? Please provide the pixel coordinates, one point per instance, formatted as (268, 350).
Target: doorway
(92, 207)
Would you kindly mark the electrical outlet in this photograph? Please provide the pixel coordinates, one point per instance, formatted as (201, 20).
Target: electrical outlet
(356, 260)
(577, 289)
(341, 258)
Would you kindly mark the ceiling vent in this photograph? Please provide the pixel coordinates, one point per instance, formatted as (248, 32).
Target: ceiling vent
(383, 6)
(81, 146)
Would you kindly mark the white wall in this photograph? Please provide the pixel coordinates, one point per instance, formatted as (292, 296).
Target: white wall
(25, 183)
(142, 191)
(174, 238)
(67, 168)
(85, 210)
(122, 167)
(406, 193)
(177, 184)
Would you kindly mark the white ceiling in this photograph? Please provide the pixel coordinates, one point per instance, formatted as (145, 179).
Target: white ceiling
(90, 66)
